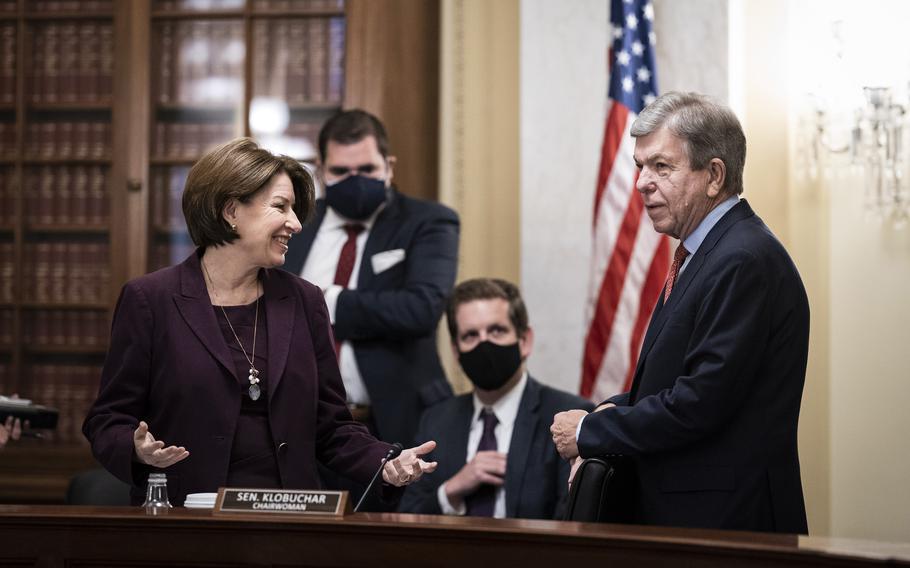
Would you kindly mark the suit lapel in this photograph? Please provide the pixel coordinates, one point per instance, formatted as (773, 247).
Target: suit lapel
(381, 234)
(459, 432)
(662, 313)
(196, 309)
(520, 447)
(279, 310)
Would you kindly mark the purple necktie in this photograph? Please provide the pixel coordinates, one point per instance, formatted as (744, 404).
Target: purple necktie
(482, 503)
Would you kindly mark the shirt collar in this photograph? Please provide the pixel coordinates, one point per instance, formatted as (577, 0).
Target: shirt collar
(506, 408)
(697, 237)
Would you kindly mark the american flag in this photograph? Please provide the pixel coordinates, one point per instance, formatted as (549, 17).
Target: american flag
(629, 260)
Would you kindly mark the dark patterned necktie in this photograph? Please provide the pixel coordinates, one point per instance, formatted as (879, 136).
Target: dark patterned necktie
(348, 255)
(678, 258)
(482, 503)
(346, 261)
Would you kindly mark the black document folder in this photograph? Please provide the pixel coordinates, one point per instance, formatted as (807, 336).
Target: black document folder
(39, 417)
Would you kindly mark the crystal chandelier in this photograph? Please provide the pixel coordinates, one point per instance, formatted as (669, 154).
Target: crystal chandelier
(872, 140)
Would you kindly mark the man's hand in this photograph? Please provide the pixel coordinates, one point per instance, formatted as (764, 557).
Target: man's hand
(408, 467)
(152, 452)
(563, 431)
(12, 429)
(575, 464)
(486, 468)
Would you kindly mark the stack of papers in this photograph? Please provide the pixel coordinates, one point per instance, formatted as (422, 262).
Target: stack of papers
(200, 501)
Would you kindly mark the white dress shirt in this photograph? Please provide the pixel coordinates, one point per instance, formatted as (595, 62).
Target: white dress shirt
(319, 269)
(506, 410)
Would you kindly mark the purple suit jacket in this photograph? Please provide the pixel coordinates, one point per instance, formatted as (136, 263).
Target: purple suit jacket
(168, 364)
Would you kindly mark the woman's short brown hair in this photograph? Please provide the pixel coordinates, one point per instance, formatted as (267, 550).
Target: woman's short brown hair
(237, 170)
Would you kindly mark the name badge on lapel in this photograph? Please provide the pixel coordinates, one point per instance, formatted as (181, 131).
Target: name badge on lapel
(385, 260)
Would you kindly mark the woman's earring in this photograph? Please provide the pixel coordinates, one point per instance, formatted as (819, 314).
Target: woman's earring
(234, 227)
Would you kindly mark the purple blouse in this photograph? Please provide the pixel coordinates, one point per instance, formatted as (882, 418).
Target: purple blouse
(253, 462)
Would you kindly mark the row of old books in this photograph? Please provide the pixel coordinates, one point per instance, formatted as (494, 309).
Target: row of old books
(70, 388)
(66, 195)
(67, 272)
(71, 62)
(188, 140)
(7, 63)
(8, 384)
(170, 253)
(166, 187)
(7, 140)
(66, 328)
(7, 197)
(82, 6)
(305, 130)
(7, 272)
(200, 62)
(266, 5)
(299, 5)
(68, 140)
(299, 60)
(7, 323)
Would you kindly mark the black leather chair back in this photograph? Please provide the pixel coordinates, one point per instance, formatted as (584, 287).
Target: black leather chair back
(602, 491)
(97, 487)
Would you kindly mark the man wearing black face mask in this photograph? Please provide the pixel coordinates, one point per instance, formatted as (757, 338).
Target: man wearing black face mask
(386, 263)
(496, 457)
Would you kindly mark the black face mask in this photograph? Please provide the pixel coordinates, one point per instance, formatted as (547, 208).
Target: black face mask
(490, 366)
(356, 197)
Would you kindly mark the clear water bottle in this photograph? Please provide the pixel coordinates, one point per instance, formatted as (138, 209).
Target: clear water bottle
(156, 494)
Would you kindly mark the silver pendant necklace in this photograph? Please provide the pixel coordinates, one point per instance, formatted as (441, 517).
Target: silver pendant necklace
(253, 377)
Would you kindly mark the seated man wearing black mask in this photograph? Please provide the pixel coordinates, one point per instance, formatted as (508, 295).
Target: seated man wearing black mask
(495, 453)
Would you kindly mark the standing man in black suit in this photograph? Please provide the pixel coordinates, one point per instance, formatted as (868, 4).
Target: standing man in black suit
(386, 263)
(495, 454)
(711, 418)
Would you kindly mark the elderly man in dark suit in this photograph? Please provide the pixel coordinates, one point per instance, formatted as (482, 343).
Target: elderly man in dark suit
(386, 263)
(711, 417)
(228, 359)
(495, 457)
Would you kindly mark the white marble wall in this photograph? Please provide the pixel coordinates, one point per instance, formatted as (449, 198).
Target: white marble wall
(692, 52)
(563, 94)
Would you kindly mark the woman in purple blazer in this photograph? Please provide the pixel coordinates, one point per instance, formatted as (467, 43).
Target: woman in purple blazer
(226, 357)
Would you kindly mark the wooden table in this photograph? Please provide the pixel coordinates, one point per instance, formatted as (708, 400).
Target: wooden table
(48, 536)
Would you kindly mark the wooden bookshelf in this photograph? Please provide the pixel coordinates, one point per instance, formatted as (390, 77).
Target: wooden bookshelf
(90, 191)
(57, 115)
(68, 228)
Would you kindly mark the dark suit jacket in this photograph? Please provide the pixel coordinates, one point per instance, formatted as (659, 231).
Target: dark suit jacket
(712, 415)
(391, 317)
(536, 477)
(168, 364)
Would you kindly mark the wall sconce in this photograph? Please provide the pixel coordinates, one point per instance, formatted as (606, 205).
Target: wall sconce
(849, 128)
(873, 141)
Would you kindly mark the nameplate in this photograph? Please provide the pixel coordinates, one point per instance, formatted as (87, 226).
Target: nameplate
(282, 501)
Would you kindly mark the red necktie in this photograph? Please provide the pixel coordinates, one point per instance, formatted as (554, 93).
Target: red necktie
(482, 503)
(678, 258)
(346, 261)
(348, 255)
